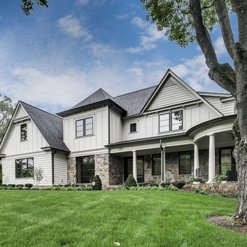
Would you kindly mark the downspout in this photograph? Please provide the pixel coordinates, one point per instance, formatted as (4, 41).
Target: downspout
(52, 165)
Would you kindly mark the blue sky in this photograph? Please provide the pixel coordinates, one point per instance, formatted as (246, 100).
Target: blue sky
(56, 57)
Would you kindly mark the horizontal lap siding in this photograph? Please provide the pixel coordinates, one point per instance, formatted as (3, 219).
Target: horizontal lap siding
(226, 108)
(41, 160)
(170, 95)
(60, 168)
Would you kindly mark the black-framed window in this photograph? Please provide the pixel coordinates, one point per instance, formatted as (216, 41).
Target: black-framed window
(156, 165)
(184, 163)
(23, 132)
(24, 168)
(85, 169)
(171, 121)
(132, 127)
(84, 127)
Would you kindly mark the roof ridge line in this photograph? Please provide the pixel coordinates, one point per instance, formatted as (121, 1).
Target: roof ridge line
(135, 91)
(54, 115)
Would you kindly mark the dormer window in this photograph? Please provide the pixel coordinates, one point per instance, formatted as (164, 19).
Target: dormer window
(23, 130)
(132, 127)
(171, 121)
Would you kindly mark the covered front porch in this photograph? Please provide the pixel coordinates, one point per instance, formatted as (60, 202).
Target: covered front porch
(203, 152)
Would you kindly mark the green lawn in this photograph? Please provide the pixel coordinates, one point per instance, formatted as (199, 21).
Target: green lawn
(99, 218)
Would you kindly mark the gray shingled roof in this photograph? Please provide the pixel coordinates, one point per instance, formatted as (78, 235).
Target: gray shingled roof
(97, 96)
(50, 126)
(134, 102)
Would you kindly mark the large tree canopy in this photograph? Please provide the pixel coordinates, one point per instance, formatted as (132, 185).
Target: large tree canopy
(6, 110)
(27, 5)
(188, 20)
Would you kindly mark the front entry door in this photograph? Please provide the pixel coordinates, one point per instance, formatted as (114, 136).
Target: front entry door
(128, 168)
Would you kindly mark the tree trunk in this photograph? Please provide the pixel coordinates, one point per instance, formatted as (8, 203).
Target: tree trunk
(240, 134)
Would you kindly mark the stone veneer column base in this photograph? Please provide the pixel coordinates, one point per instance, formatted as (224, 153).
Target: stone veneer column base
(71, 171)
(102, 168)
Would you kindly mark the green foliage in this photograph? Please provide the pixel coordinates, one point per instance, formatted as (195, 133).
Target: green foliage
(130, 181)
(6, 110)
(97, 184)
(38, 174)
(174, 16)
(28, 186)
(179, 184)
(1, 174)
(27, 5)
(162, 218)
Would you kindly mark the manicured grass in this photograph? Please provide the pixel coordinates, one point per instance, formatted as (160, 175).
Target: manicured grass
(100, 218)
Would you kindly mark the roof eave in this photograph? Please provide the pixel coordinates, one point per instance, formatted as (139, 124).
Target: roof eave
(107, 102)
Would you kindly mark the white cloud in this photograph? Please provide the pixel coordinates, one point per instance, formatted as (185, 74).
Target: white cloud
(73, 27)
(82, 2)
(195, 72)
(220, 48)
(149, 36)
(38, 87)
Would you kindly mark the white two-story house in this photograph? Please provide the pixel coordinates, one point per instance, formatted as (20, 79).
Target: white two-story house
(161, 133)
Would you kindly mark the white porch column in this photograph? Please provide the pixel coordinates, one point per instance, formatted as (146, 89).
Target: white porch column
(134, 166)
(196, 160)
(211, 159)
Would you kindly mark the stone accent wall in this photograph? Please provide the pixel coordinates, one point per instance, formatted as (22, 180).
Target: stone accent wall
(71, 171)
(228, 187)
(102, 168)
(116, 170)
(203, 163)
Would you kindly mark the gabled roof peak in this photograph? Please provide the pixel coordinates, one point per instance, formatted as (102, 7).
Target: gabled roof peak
(97, 96)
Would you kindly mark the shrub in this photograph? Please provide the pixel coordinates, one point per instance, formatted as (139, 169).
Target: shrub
(179, 184)
(11, 185)
(1, 175)
(96, 183)
(130, 181)
(28, 186)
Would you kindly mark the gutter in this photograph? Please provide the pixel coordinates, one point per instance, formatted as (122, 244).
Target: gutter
(52, 165)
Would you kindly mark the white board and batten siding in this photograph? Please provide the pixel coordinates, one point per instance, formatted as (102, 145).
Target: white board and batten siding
(100, 130)
(115, 126)
(41, 160)
(148, 125)
(13, 144)
(60, 168)
(172, 93)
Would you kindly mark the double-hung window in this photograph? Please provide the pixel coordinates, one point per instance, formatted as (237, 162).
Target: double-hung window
(84, 127)
(171, 121)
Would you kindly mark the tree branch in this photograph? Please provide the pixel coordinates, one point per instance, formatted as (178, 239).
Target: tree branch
(222, 74)
(225, 25)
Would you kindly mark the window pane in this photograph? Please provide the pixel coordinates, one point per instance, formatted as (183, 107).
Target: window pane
(184, 163)
(164, 122)
(23, 132)
(164, 117)
(133, 127)
(79, 134)
(177, 120)
(79, 122)
(89, 120)
(24, 168)
(88, 132)
(156, 165)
